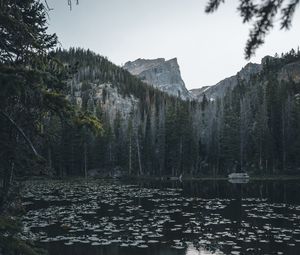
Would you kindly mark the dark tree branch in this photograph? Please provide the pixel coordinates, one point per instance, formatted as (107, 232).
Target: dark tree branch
(70, 3)
(22, 133)
(47, 6)
(287, 14)
(213, 5)
(247, 10)
(262, 14)
(265, 15)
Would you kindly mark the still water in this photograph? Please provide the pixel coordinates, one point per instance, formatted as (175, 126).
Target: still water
(104, 217)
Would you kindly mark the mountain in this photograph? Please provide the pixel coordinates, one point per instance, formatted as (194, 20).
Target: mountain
(252, 125)
(198, 93)
(290, 72)
(160, 73)
(219, 90)
(147, 131)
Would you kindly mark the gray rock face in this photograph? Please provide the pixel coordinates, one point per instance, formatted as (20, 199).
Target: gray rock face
(219, 90)
(290, 72)
(111, 102)
(162, 74)
(198, 93)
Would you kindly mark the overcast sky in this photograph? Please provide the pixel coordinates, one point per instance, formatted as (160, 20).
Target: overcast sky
(209, 48)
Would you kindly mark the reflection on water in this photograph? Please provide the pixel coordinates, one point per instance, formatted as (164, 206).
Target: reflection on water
(193, 251)
(162, 218)
(239, 181)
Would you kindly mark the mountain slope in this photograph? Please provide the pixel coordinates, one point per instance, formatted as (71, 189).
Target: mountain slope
(219, 90)
(162, 74)
(252, 125)
(147, 131)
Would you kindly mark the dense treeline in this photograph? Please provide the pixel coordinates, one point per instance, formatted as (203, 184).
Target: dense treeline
(253, 128)
(257, 123)
(67, 113)
(26, 78)
(32, 88)
(154, 136)
(51, 104)
(33, 91)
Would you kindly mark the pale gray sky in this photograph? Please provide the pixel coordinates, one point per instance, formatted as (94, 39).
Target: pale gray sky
(209, 48)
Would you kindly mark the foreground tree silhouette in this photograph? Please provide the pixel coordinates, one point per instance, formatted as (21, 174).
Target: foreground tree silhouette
(262, 14)
(33, 89)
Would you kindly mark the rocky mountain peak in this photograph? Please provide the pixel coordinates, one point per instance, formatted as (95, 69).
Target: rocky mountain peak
(219, 90)
(248, 70)
(140, 65)
(160, 73)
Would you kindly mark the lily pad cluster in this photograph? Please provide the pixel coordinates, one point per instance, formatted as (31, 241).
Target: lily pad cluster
(101, 213)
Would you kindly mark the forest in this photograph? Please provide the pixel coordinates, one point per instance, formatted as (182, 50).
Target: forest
(68, 113)
(61, 116)
(252, 128)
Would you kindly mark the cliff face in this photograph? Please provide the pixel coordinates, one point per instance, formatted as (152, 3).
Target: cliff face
(162, 74)
(220, 89)
(150, 133)
(290, 72)
(105, 96)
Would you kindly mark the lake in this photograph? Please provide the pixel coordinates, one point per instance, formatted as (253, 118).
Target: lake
(113, 217)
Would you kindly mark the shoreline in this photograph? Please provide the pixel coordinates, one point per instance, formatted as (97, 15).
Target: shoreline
(154, 178)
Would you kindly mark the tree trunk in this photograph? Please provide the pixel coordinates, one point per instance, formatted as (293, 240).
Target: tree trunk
(11, 172)
(49, 157)
(180, 168)
(85, 160)
(21, 132)
(283, 141)
(139, 156)
(130, 152)
(260, 153)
